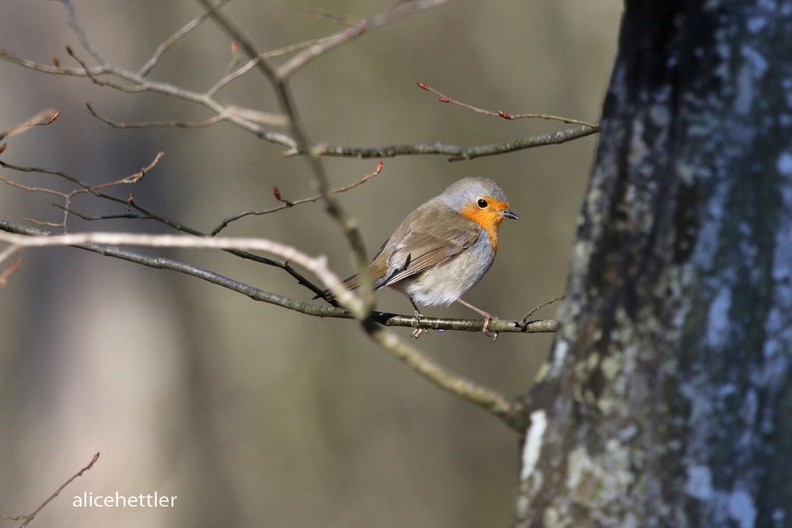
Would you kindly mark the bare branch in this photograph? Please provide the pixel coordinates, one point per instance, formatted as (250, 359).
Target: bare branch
(28, 518)
(256, 122)
(510, 411)
(132, 178)
(327, 15)
(298, 61)
(303, 143)
(84, 188)
(398, 11)
(153, 124)
(384, 318)
(257, 116)
(242, 70)
(170, 42)
(317, 47)
(46, 68)
(454, 152)
(238, 36)
(74, 24)
(387, 319)
(43, 118)
(296, 141)
(146, 214)
(316, 265)
(10, 269)
(441, 324)
(136, 177)
(285, 204)
(561, 297)
(135, 83)
(402, 9)
(30, 188)
(445, 99)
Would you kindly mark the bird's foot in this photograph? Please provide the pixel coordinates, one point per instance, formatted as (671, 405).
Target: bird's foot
(487, 318)
(418, 332)
(485, 329)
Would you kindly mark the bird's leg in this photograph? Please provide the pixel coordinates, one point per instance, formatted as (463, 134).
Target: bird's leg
(487, 318)
(418, 332)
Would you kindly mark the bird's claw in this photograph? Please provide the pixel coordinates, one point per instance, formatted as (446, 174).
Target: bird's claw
(485, 329)
(418, 332)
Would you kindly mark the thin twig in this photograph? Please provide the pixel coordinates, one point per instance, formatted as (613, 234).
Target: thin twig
(401, 10)
(245, 68)
(152, 124)
(285, 204)
(297, 62)
(316, 47)
(43, 118)
(315, 12)
(74, 24)
(47, 68)
(524, 320)
(66, 197)
(129, 203)
(134, 83)
(445, 99)
(132, 178)
(172, 40)
(10, 269)
(31, 189)
(28, 518)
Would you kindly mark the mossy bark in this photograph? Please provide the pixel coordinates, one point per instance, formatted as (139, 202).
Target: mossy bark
(666, 400)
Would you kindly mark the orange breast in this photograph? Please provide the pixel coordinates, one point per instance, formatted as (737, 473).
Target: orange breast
(488, 218)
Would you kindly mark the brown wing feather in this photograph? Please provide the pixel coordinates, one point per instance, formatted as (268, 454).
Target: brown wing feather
(442, 237)
(429, 235)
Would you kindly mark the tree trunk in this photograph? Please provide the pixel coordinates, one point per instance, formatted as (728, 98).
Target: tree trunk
(666, 400)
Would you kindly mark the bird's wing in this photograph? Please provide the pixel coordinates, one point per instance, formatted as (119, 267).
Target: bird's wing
(442, 235)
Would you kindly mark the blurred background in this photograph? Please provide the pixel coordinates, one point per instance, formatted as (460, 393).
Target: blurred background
(251, 414)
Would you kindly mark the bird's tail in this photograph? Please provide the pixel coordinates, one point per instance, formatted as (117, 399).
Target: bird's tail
(350, 282)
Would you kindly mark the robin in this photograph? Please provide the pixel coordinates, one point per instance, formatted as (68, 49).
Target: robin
(443, 248)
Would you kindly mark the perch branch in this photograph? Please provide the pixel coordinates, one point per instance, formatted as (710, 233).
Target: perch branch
(19, 236)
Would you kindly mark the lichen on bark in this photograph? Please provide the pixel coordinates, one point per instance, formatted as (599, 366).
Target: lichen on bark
(665, 399)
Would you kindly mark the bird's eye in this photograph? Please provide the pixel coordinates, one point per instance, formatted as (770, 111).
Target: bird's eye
(482, 203)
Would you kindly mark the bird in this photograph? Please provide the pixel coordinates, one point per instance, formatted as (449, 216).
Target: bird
(443, 248)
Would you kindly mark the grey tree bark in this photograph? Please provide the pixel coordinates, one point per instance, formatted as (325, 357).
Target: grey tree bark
(666, 400)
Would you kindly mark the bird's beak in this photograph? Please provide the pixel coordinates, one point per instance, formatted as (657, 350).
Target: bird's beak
(509, 214)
